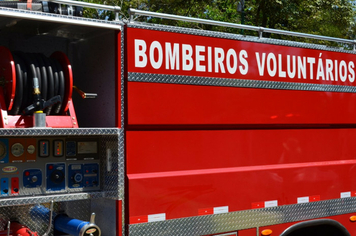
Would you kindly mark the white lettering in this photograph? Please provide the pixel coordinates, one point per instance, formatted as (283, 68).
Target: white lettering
(199, 58)
(329, 70)
(291, 73)
(261, 64)
(231, 53)
(156, 45)
(320, 71)
(311, 62)
(336, 71)
(302, 67)
(219, 58)
(271, 59)
(187, 53)
(244, 64)
(140, 53)
(172, 58)
(351, 71)
(210, 66)
(281, 73)
(343, 71)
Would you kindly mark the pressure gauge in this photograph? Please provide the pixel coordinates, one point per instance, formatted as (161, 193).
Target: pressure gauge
(17, 149)
(31, 149)
(2, 150)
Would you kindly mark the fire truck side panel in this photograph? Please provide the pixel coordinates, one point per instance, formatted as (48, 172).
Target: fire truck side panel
(218, 123)
(168, 104)
(184, 172)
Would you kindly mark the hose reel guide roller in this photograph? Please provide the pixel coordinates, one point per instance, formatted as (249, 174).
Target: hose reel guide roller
(31, 83)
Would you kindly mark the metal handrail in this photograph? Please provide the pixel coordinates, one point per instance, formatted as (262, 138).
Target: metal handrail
(261, 30)
(89, 5)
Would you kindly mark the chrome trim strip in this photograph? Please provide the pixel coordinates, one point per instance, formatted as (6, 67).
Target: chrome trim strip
(239, 83)
(223, 35)
(87, 4)
(55, 18)
(13, 201)
(220, 223)
(122, 147)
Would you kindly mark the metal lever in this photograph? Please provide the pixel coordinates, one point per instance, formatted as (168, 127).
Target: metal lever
(8, 228)
(92, 218)
(83, 94)
(50, 220)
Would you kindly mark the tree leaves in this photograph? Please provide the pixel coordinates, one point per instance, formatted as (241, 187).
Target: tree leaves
(335, 18)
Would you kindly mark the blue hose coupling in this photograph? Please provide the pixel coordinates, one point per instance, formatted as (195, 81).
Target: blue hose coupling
(76, 227)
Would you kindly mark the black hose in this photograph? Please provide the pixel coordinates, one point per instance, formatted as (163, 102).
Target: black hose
(43, 70)
(51, 80)
(61, 86)
(27, 81)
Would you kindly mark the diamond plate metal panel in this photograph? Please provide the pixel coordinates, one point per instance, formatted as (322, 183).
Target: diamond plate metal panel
(121, 163)
(104, 208)
(75, 203)
(58, 132)
(216, 34)
(219, 223)
(242, 83)
(39, 223)
(13, 201)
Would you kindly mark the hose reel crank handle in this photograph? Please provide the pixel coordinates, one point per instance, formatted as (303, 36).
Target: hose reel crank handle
(84, 94)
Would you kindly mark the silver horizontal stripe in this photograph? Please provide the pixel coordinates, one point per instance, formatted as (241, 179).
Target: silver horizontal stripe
(240, 83)
(220, 223)
(56, 18)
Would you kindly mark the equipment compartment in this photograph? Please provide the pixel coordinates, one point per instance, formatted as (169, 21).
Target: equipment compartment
(82, 46)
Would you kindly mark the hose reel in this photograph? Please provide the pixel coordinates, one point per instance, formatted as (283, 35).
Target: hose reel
(32, 82)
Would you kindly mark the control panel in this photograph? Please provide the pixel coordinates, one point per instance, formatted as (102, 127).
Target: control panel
(31, 166)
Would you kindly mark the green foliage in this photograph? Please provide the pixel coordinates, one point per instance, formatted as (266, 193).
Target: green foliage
(335, 18)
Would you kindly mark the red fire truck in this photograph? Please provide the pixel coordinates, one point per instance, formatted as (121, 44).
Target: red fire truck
(186, 132)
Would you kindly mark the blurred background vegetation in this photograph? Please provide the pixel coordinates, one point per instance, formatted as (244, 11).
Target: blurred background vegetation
(334, 18)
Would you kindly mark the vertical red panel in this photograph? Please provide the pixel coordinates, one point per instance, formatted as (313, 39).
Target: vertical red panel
(119, 218)
(247, 232)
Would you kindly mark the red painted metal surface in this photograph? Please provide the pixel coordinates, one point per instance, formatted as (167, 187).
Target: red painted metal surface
(168, 104)
(180, 172)
(241, 147)
(21, 121)
(8, 73)
(119, 218)
(171, 104)
(160, 52)
(247, 232)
